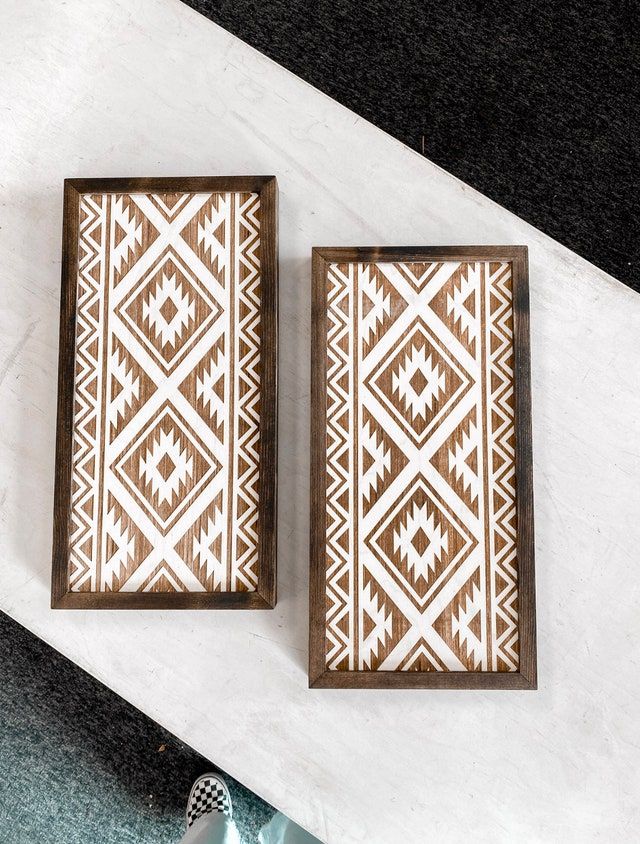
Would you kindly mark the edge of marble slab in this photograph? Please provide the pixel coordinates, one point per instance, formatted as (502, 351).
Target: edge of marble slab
(463, 186)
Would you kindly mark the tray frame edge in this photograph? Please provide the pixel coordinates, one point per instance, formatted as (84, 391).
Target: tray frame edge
(265, 596)
(526, 677)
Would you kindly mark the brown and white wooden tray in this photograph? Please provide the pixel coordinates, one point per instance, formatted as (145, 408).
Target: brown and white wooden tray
(165, 489)
(422, 566)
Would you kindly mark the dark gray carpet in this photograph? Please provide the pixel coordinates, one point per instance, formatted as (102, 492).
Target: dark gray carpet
(78, 764)
(537, 105)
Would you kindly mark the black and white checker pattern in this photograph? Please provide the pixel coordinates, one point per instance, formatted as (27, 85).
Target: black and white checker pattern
(209, 794)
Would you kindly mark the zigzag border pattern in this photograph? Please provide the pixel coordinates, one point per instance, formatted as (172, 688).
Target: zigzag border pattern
(88, 387)
(502, 468)
(340, 575)
(244, 572)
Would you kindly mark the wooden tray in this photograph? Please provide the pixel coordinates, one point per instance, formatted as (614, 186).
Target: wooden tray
(422, 566)
(165, 491)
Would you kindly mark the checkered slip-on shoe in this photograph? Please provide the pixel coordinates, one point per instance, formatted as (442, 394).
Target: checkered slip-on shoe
(209, 793)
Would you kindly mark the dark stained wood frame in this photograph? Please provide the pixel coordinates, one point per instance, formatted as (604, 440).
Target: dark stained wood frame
(526, 677)
(265, 595)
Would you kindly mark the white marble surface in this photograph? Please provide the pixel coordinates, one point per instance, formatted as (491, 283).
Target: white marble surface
(142, 87)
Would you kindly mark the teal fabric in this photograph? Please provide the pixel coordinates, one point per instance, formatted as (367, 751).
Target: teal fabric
(216, 828)
(281, 830)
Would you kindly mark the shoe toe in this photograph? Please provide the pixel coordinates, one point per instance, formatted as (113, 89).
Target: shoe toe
(209, 794)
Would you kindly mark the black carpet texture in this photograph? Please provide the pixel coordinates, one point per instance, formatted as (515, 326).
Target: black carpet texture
(537, 105)
(78, 764)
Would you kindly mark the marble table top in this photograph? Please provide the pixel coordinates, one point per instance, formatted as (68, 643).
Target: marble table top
(148, 87)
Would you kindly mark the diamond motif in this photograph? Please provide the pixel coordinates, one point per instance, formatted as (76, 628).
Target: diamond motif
(169, 310)
(418, 382)
(420, 541)
(166, 467)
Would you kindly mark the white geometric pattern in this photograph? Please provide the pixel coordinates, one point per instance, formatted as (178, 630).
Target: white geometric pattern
(419, 381)
(421, 569)
(169, 311)
(420, 541)
(166, 451)
(166, 437)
